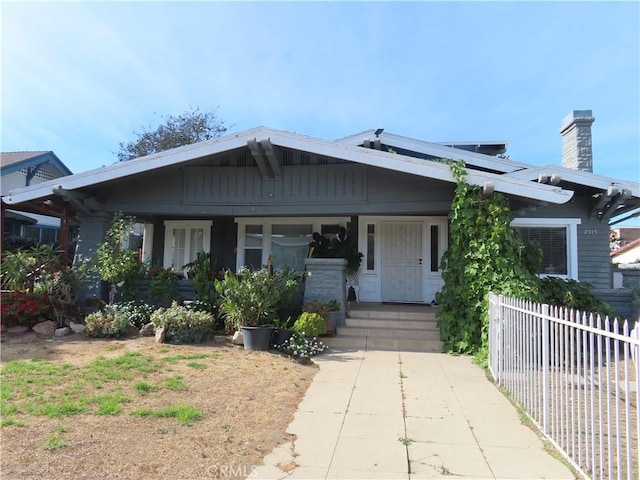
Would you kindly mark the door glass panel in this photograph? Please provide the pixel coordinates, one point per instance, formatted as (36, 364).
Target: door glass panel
(435, 254)
(371, 246)
(178, 250)
(196, 243)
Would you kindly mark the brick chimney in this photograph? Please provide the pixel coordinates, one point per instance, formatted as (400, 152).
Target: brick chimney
(576, 140)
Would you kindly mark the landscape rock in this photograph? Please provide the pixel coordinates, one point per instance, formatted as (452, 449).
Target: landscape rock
(237, 338)
(45, 328)
(18, 329)
(132, 331)
(61, 332)
(147, 330)
(77, 327)
(160, 334)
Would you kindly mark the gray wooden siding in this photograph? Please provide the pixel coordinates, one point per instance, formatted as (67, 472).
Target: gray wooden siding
(238, 185)
(343, 189)
(594, 262)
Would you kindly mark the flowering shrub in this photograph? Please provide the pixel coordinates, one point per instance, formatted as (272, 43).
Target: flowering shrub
(138, 314)
(301, 348)
(183, 325)
(22, 308)
(109, 322)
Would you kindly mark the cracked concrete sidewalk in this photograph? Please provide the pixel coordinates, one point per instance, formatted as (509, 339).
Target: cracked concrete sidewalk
(407, 415)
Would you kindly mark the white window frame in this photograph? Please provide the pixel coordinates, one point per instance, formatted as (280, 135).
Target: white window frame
(267, 223)
(170, 225)
(571, 226)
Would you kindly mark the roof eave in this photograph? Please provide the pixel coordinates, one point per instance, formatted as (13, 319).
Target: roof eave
(374, 158)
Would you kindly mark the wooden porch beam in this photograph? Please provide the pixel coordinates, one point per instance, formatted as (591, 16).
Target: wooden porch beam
(258, 156)
(605, 197)
(615, 203)
(274, 160)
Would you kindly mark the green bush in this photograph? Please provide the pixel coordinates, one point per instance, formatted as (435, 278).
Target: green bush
(163, 286)
(138, 314)
(183, 325)
(108, 322)
(573, 295)
(309, 325)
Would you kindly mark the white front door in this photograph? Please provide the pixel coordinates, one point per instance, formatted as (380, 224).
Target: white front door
(401, 260)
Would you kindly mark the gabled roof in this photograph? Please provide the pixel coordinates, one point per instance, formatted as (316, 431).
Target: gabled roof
(15, 161)
(438, 150)
(569, 175)
(336, 149)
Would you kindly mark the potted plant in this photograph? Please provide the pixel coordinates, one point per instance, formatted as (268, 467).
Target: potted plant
(282, 331)
(328, 311)
(343, 246)
(249, 300)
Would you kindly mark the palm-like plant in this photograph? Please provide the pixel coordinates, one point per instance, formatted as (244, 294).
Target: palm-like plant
(250, 299)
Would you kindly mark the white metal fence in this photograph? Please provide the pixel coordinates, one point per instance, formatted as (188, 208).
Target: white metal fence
(576, 375)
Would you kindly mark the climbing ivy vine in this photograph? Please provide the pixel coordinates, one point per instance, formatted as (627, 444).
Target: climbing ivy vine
(485, 254)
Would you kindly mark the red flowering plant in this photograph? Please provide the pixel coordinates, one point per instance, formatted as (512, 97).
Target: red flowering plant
(22, 308)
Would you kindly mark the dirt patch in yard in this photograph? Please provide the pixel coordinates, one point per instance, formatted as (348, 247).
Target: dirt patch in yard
(245, 401)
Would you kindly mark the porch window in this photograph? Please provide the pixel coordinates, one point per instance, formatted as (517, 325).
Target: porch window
(183, 240)
(557, 241)
(284, 240)
(290, 245)
(253, 246)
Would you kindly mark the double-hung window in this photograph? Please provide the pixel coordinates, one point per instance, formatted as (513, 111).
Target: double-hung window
(557, 238)
(183, 239)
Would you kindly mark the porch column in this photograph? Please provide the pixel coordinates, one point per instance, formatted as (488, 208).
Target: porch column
(91, 234)
(2, 226)
(64, 237)
(325, 281)
(147, 242)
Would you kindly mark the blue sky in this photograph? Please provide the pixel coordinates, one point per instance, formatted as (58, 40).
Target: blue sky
(78, 78)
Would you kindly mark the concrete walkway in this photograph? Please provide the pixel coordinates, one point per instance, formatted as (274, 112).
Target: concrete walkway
(407, 415)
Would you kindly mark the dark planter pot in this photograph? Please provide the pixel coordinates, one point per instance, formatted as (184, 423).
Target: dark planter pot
(330, 322)
(256, 338)
(280, 336)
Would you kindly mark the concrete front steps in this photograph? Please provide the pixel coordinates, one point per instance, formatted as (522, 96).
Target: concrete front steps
(380, 326)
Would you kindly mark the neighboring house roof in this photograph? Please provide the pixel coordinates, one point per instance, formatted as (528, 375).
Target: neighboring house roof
(45, 163)
(9, 158)
(388, 151)
(630, 253)
(18, 217)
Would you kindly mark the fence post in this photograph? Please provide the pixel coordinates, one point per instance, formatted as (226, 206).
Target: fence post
(500, 340)
(545, 368)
